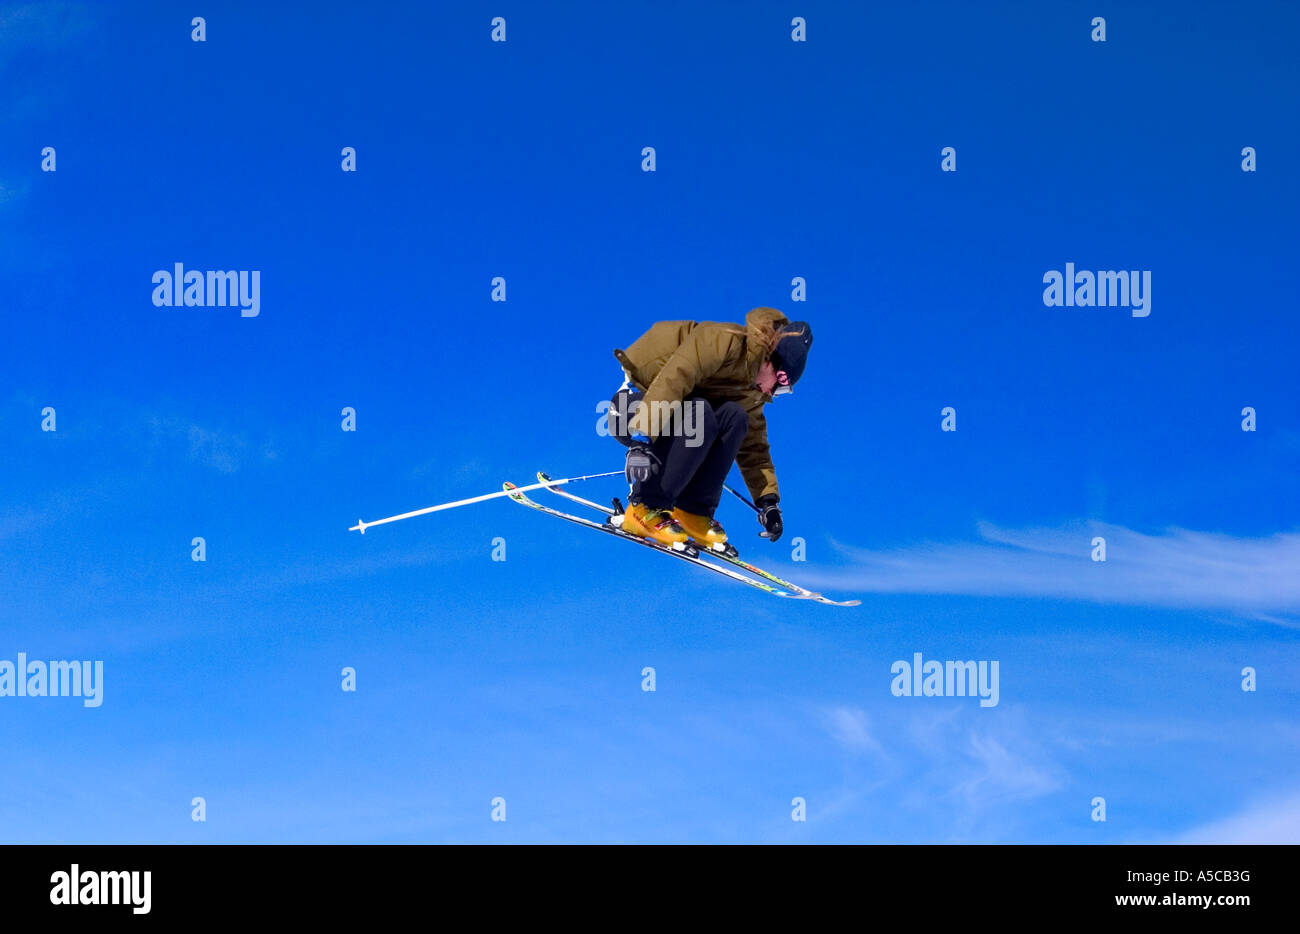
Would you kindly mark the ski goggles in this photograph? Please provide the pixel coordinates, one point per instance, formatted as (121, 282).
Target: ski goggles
(783, 385)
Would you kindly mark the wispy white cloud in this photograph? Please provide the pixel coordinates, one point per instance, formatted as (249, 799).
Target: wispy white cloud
(215, 449)
(1259, 577)
(980, 760)
(851, 728)
(1270, 821)
(42, 27)
(998, 772)
(219, 449)
(957, 773)
(11, 192)
(55, 506)
(40, 30)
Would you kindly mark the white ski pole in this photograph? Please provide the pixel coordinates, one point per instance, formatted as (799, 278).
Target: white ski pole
(361, 525)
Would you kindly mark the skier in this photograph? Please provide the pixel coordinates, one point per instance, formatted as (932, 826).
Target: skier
(699, 389)
(691, 404)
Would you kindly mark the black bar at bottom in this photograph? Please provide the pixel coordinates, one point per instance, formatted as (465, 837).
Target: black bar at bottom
(644, 885)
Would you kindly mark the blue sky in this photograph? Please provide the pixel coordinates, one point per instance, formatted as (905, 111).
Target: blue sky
(521, 678)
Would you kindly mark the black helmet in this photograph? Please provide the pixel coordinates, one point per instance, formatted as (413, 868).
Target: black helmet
(791, 353)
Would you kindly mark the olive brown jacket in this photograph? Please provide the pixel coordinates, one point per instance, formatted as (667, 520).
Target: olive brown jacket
(714, 361)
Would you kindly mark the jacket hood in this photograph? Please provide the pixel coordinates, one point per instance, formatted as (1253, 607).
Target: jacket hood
(763, 314)
(757, 320)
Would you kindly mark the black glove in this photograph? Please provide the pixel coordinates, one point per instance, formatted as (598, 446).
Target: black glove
(641, 463)
(769, 516)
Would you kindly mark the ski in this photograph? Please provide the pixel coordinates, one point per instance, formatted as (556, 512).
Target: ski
(692, 555)
(730, 558)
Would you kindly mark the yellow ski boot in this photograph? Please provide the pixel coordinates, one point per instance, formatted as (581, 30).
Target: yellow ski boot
(655, 524)
(705, 531)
